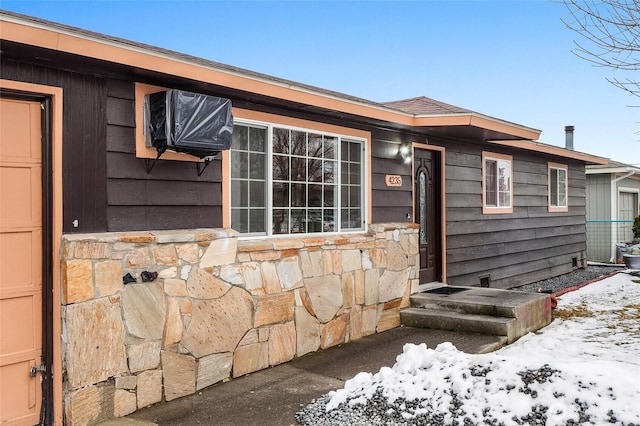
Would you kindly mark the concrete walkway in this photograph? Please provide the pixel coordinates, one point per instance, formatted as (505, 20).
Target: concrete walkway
(273, 396)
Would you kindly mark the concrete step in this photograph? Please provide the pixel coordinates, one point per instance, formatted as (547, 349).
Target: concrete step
(429, 286)
(457, 321)
(497, 312)
(476, 300)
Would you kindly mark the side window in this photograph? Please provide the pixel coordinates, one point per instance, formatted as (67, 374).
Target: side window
(497, 183)
(558, 188)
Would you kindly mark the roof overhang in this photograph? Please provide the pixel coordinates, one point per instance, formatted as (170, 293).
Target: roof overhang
(488, 128)
(613, 170)
(553, 150)
(143, 58)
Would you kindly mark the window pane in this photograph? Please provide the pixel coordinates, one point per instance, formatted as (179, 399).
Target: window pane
(240, 137)
(350, 219)
(256, 165)
(354, 152)
(298, 221)
(257, 194)
(562, 200)
(354, 196)
(281, 221)
(562, 187)
(280, 167)
(299, 169)
(330, 143)
(257, 139)
(354, 173)
(239, 196)
(281, 141)
(280, 194)
(239, 220)
(344, 172)
(422, 206)
(344, 218)
(504, 199)
(298, 195)
(298, 143)
(344, 195)
(238, 164)
(329, 196)
(315, 145)
(553, 184)
(504, 183)
(329, 170)
(328, 224)
(315, 170)
(315, 195)
(355, 218)
(490, 170)
(314, 224)
(256, 220)
(562, 176)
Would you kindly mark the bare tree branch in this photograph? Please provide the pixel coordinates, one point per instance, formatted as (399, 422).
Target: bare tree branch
(610, 31)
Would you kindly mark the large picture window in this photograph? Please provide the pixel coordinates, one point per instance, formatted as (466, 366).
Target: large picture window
(294, 181)
(558, 188)
(497, 183)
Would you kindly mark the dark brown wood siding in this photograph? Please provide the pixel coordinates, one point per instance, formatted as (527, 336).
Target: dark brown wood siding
(390, 204)
(171, 196)
(105, 187)
(84, 136)
(527, 245)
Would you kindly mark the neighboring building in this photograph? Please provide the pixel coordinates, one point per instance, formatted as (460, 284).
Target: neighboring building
(612, 205)
(133, 281)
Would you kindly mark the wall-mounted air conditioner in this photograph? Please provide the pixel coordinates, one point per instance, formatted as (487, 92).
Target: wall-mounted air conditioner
(193, 123)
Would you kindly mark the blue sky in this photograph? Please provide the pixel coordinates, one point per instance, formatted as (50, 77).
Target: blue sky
(507, 59)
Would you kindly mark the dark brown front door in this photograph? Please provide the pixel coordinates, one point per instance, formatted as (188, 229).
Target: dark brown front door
(427, 213)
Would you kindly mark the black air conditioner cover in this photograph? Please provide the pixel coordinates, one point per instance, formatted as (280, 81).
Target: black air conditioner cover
(193, 123)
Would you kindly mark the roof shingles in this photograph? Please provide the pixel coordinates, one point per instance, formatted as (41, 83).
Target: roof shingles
(422, 105)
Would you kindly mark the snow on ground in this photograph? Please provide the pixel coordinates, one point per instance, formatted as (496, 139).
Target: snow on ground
(582, 368)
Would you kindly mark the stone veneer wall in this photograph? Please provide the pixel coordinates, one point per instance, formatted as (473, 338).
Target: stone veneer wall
(220, 307)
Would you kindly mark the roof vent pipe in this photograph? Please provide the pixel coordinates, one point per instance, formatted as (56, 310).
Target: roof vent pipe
(568, 137)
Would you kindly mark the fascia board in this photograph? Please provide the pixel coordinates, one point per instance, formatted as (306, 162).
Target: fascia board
(553, 150)
(610, 170)
(102, 47)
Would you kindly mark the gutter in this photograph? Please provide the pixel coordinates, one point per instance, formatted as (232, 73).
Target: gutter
(614, 208)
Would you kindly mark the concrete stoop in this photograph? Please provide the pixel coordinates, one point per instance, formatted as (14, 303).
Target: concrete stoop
(491, 311)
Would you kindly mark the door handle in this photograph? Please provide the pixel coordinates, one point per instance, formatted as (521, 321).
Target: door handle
(35, 369)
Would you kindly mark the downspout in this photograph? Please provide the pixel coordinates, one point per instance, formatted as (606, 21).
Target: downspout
(614, 211)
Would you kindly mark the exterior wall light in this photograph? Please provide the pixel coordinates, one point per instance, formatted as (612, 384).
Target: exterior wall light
(405, 154)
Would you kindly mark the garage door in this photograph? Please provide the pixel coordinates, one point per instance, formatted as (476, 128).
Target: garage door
(20, 261)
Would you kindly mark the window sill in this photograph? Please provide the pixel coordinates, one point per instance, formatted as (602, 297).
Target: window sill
(558, 209)
(497, 210)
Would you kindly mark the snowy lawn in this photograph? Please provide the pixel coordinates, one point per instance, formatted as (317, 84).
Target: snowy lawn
(584, 368)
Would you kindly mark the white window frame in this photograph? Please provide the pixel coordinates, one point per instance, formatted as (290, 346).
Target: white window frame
(497, 209)
(551, 167)
(338, 179)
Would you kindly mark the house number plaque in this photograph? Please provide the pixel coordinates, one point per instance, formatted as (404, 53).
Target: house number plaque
(393, 180)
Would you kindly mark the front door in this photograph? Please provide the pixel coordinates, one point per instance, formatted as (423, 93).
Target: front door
(21, 228)
(428, 213)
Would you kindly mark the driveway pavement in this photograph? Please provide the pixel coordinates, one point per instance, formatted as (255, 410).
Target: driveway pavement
(273, 396)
